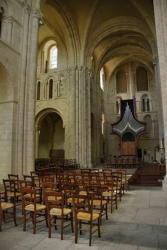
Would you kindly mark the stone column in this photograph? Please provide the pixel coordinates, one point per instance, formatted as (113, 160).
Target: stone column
(29, 148)
(82, 122)
(158, 103)
(88, 96)
(77, 115)
(83, 130)
(160, 12)
(21, 91)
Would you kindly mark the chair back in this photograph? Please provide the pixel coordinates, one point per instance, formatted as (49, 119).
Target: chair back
(57, 200)
(10, 187)
(28, 195)
(13, 176)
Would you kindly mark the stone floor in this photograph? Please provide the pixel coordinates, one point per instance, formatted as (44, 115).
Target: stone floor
(140, 223)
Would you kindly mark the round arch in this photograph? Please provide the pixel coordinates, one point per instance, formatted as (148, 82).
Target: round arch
(50, 135)
(43, 113)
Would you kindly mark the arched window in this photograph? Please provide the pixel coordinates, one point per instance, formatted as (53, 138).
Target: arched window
(145, 102)
(53, 57)
(1, 15)
(38, 90)
(141, 79)
(121, 82)
(102, 78)
(50, 88)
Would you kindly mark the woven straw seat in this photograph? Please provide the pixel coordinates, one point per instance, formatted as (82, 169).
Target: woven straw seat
(28, 195)
(6, 205)
(31, 207)
(58, 211)
(99, 202)
(82, 193)
(70, 200)
(87, 216)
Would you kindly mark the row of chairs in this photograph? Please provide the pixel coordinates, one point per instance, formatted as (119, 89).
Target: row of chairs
(71, 195)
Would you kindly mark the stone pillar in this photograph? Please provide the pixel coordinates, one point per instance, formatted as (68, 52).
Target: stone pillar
(88, 98)
(77, 115)
(83, 130)
(158, 103)
(29, 147)
(21, 91)
(160, 12)
(72, 145)
(82, 122)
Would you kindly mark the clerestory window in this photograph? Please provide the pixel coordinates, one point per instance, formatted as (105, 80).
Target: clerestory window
(53, 57)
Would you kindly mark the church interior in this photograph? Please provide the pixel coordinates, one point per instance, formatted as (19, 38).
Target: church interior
(83, 88)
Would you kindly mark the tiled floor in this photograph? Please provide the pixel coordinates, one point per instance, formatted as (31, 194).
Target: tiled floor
(139, 223)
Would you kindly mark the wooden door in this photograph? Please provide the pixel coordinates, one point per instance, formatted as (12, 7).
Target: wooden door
(128, 148)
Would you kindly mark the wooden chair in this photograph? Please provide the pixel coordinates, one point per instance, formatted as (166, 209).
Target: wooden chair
(56, 210)
(124, 180)
(110, 193)
(14, 177)
(30, 205)
(99, 203)
(12, 192)
(48, 186)
(5, 206)
(117, 179)
(84, 214)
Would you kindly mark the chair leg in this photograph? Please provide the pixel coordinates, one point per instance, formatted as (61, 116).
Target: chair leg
(106, 211)
(80, 227)
(111, 205)
(76, 231)
(4, 217)
(62, 227)
(14, 215)
(72, 227)
(24, 224)
(99, 233)
(55, 219)
(49, 226)
(116, 203)
(90, 234)
(46, 218)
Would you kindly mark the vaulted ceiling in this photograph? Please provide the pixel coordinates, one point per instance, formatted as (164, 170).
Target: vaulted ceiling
(111, 32)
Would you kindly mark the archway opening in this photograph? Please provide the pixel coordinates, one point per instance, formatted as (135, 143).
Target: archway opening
(51, 137)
